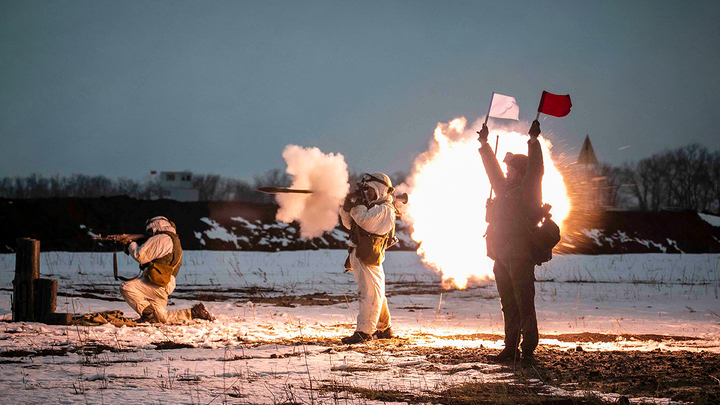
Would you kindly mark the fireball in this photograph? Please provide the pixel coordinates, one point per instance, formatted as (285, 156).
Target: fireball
(448, 189)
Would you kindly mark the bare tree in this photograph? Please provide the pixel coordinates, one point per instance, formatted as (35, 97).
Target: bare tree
(274, 177)
(127, 187)
(239, 190)
(207, 186)
(689, 178)
(647, 183)
(714, 171)
(617, 182)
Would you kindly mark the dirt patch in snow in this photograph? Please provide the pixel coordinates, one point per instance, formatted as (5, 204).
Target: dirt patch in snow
(685, 376)
(464, 394)
(679, 375)
(88, 349)
(606, 338)
(254, 294)
(168, 345)
(319, 299)
(585, 337)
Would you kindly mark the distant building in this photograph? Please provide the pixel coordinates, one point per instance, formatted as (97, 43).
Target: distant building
(175, 186)
(587, 153)
(591, 185)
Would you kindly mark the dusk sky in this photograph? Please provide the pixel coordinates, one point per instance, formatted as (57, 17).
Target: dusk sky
(120, 88)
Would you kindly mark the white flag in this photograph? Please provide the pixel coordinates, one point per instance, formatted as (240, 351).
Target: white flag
(504, 107)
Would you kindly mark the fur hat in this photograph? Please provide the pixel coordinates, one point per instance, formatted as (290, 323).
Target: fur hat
(518, 162)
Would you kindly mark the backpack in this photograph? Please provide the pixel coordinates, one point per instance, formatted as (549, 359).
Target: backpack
(157, 272)
(371, 247)
(544, 235)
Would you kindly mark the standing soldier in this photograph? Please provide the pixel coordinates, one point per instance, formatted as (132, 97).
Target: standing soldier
(371, 220)
(160, 258)
(519, 195)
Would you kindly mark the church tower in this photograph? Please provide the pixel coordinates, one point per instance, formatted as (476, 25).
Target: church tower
(589, 180)
(587, 154)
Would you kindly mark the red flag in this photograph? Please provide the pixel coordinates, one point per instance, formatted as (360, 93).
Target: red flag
(555, 105)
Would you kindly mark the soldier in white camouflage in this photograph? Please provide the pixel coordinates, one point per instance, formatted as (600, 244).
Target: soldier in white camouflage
(160, 257)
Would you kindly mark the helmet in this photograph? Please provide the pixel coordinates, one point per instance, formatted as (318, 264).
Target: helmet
(380, 182)
(158, 224)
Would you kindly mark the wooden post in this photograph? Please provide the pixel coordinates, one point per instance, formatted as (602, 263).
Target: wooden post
(27, 269)
(61, 318)
(45, 298)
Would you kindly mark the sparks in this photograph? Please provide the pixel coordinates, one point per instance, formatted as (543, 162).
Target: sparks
(448, 188)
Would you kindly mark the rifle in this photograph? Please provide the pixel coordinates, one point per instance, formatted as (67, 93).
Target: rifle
(121, 237)
(355, 196)
(117, 239)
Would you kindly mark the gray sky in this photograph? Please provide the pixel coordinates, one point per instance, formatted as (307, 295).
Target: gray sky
(120, 88)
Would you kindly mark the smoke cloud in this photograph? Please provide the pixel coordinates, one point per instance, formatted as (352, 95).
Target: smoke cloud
(326, 176)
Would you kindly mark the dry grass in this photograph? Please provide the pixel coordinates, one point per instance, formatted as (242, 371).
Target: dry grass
(465, 394)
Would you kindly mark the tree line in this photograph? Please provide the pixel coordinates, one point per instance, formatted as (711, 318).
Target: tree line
(211, 187)
(686, 178)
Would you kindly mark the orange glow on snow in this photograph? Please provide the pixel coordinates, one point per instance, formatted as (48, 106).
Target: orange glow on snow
(448, 188)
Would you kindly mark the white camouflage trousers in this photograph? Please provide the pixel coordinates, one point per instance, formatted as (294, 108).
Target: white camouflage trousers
(140, 294)
(374, 314)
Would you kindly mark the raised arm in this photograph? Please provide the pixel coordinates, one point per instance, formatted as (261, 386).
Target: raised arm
(532, 182)
(492, 167)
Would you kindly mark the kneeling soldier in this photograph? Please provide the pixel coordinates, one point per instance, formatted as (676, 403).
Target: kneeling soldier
(160, 258)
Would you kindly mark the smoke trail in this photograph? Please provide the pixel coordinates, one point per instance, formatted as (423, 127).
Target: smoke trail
(327, 176)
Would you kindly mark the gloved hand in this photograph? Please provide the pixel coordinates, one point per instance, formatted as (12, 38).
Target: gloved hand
(534, 129)
(124, 243)
(483, 134)
(348, 203)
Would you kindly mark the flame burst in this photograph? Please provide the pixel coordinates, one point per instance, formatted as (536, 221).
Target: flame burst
(448, 188)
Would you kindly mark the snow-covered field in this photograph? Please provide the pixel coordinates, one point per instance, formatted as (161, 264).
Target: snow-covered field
(274, 349)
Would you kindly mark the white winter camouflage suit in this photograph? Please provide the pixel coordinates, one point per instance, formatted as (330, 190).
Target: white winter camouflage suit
(379, 219)
(140, 293)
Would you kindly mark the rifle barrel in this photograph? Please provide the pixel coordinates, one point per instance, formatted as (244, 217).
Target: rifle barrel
(116, 237)
(282, 190)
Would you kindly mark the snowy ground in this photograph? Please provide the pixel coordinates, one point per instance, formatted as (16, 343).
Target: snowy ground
(272, 349)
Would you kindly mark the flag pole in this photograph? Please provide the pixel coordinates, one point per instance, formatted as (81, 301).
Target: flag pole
(497, 140)
(542, 100)
(497, 137)
(489, 107)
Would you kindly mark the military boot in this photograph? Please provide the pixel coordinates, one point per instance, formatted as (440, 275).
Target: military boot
(148, 316)
(507, 354)
(200, 312)
(357, 337)
(384, 334)
(528, 359)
